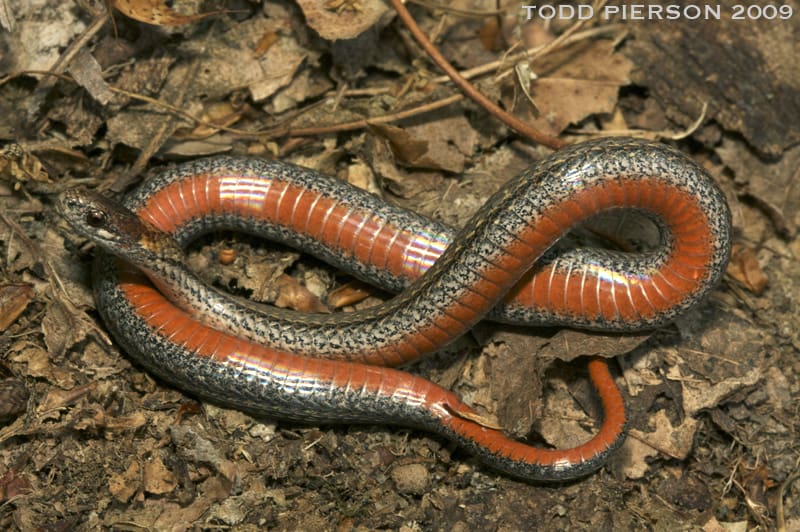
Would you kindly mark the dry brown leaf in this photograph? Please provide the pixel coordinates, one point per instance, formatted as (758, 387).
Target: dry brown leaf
(195, 446)
(583, 80)
(559, 418)
(125, 423)
(335, 25)
(39, 365)
(293, 295)
(348, 294)
(220, 113)
(489, 34)
(88, 73)
(673, 441)
(57, 399)
(280, 64)
(406, 147)
(19, 166)
(442, 144)
(42, 32)
(562, 102)
(203, 509)
(14, 483)
(157, 477)
(14, 397)
(361, 175)
(771, 184)
(729, 357)
(14, 299)
(124, 485)
(60, 330)
(157, 12)
(568, 344)
(265, 43)
(744, 267)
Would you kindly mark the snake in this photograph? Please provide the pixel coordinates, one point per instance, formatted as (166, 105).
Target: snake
(341, 367)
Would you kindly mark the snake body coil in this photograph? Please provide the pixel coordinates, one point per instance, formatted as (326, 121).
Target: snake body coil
(323, 368)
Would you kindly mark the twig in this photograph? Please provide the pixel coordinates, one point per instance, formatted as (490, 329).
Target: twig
(491, 66)
(273, 131)
(653, 135)
(359, 124)
(60, 294)
(278, 130)
(75, 46)
(508, 119)
(780, 519)
(474, 13)
(561, 39)
(160, 136)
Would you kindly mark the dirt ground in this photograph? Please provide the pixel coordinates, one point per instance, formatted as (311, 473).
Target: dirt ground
(91, 441)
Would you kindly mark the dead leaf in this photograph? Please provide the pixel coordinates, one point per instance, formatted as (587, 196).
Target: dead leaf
(13, 398)
(581, 81)
(349, 294)
(405, 146)
(442, 144)
(772, 184)
(19, 166)
(13, 484)
(41, 35)
(744, 267)
(157, 12)
(673, 441)
(124, 485)
(346, 24)
(265, 43)
(293, 295)
(89, 74)
(195, 446)
(39, 366)
(60, 330)
(203, 509)
(489, 34)
(568, 344)
(125, 423)
(729, 358)
(220, 113)
(14, 299)
(360, 174)
(281, 63)
(157, 477)
(562, 102)
(57, 399)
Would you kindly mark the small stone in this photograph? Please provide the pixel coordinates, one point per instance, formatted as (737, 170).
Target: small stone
(410, 478)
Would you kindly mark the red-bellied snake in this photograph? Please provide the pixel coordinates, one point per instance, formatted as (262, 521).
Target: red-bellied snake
(330, 368)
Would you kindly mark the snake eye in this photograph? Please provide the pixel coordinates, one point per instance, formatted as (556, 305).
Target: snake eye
(96, 218)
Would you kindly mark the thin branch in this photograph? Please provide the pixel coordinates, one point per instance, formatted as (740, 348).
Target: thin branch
(508, 119)
(568, 33)
(286, 129)
(360, 124)
(160, 135)
(59, 291)
(273, 131)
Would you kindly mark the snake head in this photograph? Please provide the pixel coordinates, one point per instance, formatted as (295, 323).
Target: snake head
(115, 228)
